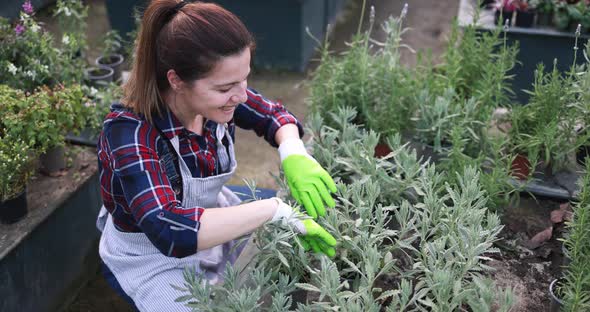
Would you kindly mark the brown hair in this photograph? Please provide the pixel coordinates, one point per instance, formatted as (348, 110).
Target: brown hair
(189, 38)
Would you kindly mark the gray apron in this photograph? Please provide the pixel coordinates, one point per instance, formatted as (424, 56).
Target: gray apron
(144, 273)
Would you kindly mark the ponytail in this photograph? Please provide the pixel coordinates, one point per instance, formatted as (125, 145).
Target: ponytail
(141, 91)
(186, 37)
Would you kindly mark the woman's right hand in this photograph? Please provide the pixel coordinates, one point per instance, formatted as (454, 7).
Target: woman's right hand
(312, 235)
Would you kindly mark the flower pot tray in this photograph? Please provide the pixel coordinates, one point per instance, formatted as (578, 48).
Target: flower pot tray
(49, 254)
(86, 138)
(562, 185)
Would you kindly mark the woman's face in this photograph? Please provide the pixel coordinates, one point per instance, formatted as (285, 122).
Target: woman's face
(216, 96)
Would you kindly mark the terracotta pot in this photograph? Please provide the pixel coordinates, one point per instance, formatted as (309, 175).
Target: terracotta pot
(382, 150)
(53, 160)
(14, 209)
(521, 167)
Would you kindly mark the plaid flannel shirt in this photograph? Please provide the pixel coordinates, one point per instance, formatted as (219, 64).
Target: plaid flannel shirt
(134, 186)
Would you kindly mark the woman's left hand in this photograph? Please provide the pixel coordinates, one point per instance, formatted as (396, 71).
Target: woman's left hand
(312, 236)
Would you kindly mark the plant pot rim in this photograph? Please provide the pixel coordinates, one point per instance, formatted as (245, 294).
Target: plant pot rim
(119, 60)
(19, 194)
(15, 208)
(552, 290)
(109, 72)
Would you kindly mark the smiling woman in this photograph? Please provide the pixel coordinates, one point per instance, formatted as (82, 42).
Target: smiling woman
(214, 97)
(167, 150)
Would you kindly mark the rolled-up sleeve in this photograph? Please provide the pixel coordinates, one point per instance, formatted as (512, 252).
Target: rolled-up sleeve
(263, 116)
(150, 197)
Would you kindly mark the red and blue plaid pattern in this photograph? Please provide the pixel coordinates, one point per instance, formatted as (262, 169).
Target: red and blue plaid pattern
(134, 186)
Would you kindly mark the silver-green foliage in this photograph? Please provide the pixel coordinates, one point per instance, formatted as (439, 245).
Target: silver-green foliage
(442, 232)
(408, 241)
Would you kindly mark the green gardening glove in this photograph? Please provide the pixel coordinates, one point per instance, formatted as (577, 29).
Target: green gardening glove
(317, 239)
(308, 182)
(311, 235)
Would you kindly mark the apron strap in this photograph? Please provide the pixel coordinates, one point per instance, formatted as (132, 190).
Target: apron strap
(169, 160)
(222, 154)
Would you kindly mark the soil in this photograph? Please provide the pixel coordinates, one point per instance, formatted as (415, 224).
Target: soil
(523, 266)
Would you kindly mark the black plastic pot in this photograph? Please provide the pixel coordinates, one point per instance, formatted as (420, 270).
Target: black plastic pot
(113, 61)
(14, 209)
(503, 16)
(582, 153)
(427, 151)
(556, 303)
(524, 19)
(544, 19)
(486, 3)
(53, 160)
(99, 77)
(87, 137)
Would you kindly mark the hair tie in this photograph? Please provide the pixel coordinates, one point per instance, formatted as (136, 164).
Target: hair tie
(180, 5)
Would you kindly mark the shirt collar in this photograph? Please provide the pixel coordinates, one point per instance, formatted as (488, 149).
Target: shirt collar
(168, 124)
(171, 126)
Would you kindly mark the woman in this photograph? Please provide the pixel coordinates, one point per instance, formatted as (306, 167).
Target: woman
(167, 150)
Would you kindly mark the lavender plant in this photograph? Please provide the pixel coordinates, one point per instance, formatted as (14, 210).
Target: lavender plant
(476, 65)
(422, 248)
(369, 77)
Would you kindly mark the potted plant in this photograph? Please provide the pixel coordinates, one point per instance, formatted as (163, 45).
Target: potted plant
(568, 14)
(30, 57)
(27, 118)
(579, 15)
(34, 68)
(504, 10)
(111, 55)
(544, 11)
(43, 118)
(71, 17)
(525, 14)
(16, 166)
(99, 76)
(96, 107)
(68, 112)
(546, 126)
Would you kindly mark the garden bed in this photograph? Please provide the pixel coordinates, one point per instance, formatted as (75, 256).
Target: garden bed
(51, 251)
